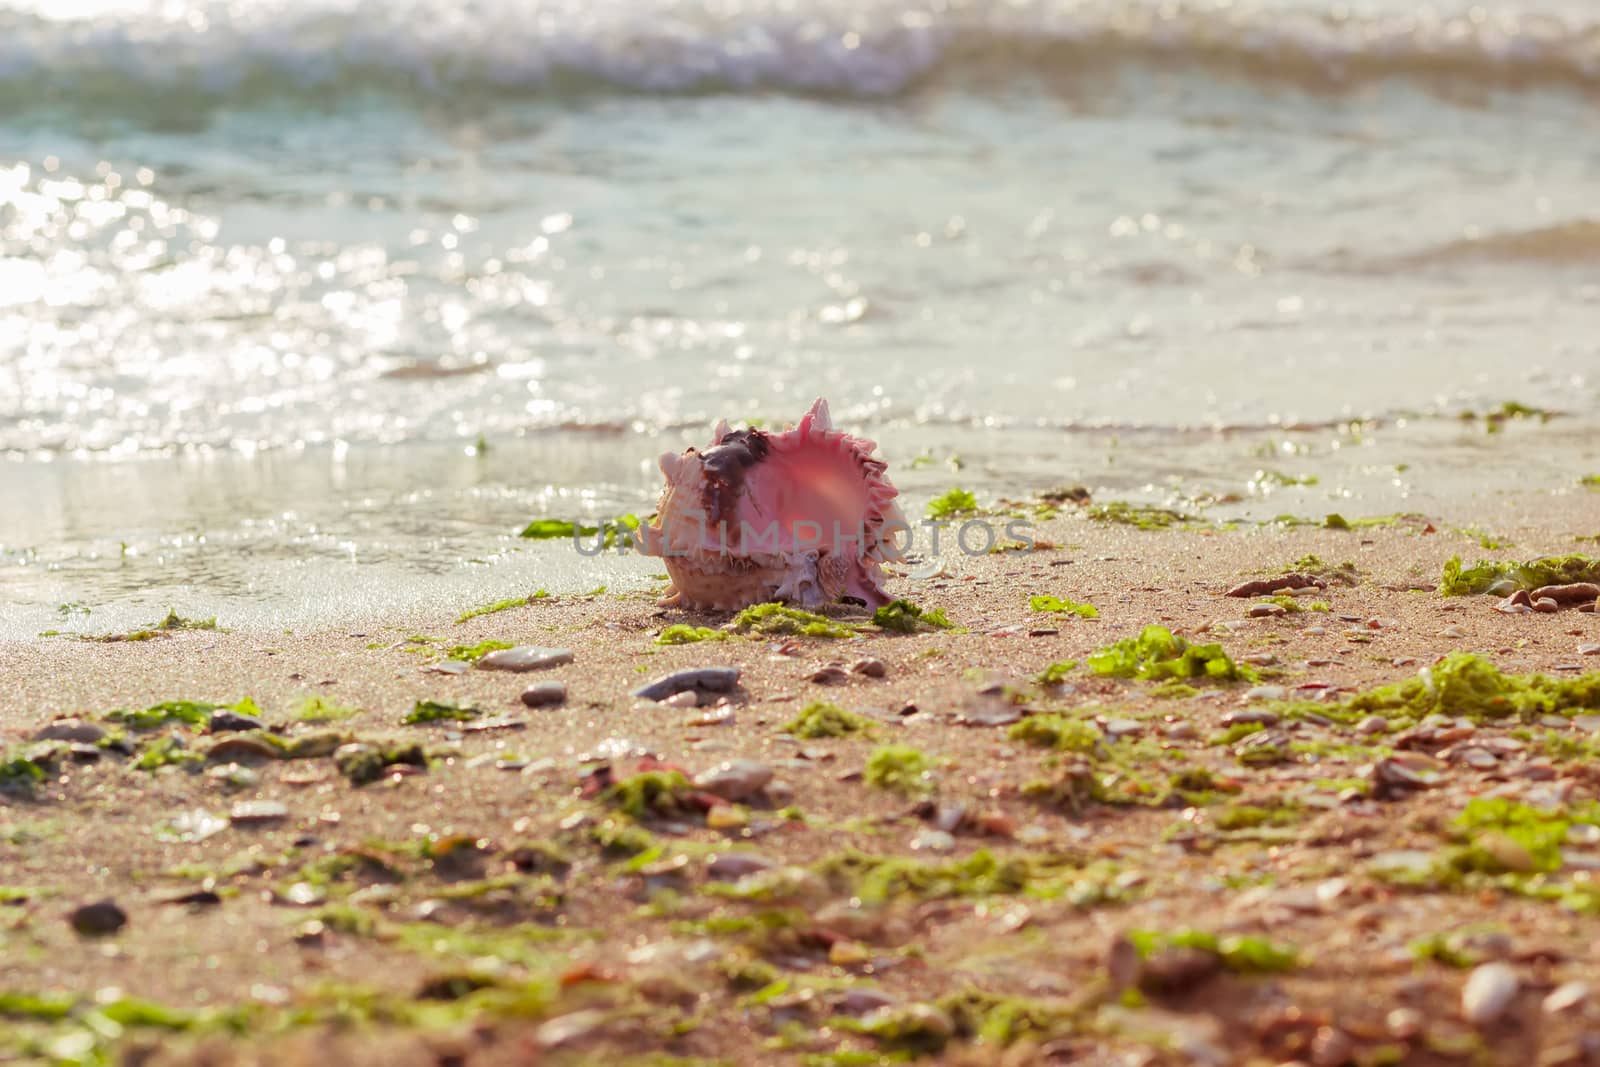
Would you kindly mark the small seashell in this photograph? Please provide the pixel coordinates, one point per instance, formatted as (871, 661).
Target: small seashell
(1565, 997)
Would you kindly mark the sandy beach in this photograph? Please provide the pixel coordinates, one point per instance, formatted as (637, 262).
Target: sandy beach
(977, 863)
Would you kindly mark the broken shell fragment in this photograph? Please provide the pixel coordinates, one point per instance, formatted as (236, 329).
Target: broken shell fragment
(804, 515)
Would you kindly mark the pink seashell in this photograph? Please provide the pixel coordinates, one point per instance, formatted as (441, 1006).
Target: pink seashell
(804, 515)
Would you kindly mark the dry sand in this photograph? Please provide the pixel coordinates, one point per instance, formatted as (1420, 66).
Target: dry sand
(487, 909)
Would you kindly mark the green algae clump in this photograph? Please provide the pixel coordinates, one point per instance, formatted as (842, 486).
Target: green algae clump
(430, 711)
(364, 764)
(1056, 673)
(168, 752)
(186, 712)
(318, 708)
(1063, 607)
(501, 605)
(905, 617)
(1242, 954)
(899, 768)
(684, 634)
(882, 879)
(1504, 835)
(21, 773)
(826, 720)
(952, 505)
(1158, 654)
(1141, 516)
(662, 794)
(473, 653)
(1460, 580)
(771, 620)
(1058, 732)
(1464, 684)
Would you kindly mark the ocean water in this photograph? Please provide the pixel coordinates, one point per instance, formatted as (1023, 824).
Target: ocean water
(306, 306)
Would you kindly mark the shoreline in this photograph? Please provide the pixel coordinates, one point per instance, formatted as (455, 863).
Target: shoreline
(302, 583)
(501, 899)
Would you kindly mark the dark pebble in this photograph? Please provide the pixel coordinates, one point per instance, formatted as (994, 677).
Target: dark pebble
(1177, 968)
(545, 694)
(99, 919)
(200, 898)
(869, 668)
(700, 679)
(70, 730)
(224, 721)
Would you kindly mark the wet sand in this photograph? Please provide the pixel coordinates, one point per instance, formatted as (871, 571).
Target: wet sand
(497, 906)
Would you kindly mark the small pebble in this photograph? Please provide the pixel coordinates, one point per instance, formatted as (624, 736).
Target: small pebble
(735, 779)
(933, 841)
(311, 934)
(1122, 963)
(243, 748)
(686, 699)
(1372, 724)
(831, 675)
(702, 679)
(1489, 991)
(257, 812)
(858, 1000)
(1405, 1023)
(727, 817)
(197, 898)
(226, 720)
(1545, 605)
(732, 866)
(1331, 1047)
(949, 817)
(545, 694)
(525, 658)
(1314, 631)
(234, 776)
(99, 919)
(1265, 611)
(848, 953)
(869, 668)
(1452, 631)
(70, 730)
(1589, 650)
(304, 895)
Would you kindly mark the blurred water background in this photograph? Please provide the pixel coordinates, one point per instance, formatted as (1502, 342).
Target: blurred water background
(306, 306)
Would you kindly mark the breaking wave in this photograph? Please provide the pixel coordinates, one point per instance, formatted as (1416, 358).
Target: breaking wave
(203, 51)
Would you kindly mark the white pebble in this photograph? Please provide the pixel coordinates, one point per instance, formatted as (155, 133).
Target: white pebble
(1489, 991)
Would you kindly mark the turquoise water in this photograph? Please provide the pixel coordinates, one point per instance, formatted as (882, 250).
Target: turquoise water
(270, 271)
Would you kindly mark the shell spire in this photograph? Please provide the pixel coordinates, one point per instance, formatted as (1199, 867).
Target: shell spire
(806, 514)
